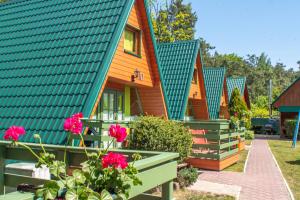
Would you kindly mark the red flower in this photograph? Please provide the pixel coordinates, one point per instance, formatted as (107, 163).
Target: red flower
(14, 132)
(118, 132)
(114, 160)
(74, 124)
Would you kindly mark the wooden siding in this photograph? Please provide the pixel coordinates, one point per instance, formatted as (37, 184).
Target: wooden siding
(224, 103)
(153, 101)
(291, 97)
(197, 96)
(124, 65)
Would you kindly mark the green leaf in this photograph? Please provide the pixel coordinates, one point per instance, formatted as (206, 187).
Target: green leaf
(49, 190)
(105, 195)
(79, 176)
(94, 196)
(72, 195)
(70, 182)
(57, 168)
(122, 197)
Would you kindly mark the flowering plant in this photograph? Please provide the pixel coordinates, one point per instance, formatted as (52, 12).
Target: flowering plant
(103, 176)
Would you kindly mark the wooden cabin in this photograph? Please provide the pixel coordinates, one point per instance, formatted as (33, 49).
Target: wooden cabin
(182, 73)
(217, 94)
(95, 57)
(288, 104)
(240, 84)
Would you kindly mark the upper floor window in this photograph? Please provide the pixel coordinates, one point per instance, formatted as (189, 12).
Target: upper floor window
(132, 40)
(195, 76)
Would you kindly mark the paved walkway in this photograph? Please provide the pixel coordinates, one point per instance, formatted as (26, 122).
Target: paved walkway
(262, 179)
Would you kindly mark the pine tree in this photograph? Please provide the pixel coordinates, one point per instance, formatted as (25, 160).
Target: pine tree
(237, 106)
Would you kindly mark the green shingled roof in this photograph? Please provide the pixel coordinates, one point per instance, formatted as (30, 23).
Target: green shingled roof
(232, 83)
(177, 61)
(54, 56)
(214, 82)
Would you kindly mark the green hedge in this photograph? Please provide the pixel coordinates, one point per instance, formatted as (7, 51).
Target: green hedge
(157, 134)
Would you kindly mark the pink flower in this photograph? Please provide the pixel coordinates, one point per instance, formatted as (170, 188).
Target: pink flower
(118, 132)
(14, 132)
(114, 160)
(74, 124)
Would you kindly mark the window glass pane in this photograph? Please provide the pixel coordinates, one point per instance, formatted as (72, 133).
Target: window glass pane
(111, 106)
(105, 106)
(120, 102)
(129, 41)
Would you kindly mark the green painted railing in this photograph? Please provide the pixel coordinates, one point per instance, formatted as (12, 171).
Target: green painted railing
(218, 142)
(156, 168)
(99, 137)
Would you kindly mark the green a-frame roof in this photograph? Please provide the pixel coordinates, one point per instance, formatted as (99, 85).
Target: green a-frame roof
(214, 82)
(54, 57)
(238, 82)
(177, 61)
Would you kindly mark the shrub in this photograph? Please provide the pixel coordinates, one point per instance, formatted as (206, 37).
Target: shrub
(290, 125)
(238, 108)
(249, 135)
(156, 134)
(187, 176)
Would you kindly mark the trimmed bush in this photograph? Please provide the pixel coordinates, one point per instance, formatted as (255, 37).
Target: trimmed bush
(249, 135)
(187, 177)
(157, 134)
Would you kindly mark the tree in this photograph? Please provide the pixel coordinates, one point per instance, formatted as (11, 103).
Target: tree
(173, 20)
(237, 106)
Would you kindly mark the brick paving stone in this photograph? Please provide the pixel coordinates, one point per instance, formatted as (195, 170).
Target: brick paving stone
(262, 179)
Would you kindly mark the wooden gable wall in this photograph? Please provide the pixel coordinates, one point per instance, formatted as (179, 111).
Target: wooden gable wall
(291, 97)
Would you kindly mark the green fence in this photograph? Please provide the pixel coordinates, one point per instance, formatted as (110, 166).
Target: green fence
(218, 142)
(156, 168)
(96, 132)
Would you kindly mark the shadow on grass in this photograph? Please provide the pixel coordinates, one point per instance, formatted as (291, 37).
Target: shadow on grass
(293, 162)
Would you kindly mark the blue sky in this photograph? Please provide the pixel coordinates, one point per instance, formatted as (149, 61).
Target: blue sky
(251, 27)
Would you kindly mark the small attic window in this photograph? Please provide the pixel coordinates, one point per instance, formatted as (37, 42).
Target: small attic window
(195, 76)
(132, 41)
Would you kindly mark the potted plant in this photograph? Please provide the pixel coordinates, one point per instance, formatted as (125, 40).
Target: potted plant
(103, 176)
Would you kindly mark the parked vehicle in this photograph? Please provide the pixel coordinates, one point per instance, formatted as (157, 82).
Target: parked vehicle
(269, 126)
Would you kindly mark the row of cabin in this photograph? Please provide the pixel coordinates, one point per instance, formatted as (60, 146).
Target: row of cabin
(100, 58)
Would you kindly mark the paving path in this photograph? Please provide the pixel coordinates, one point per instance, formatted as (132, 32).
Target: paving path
(262, 179)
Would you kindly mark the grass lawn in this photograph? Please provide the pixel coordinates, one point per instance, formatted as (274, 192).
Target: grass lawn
(191, 195)
(289, 162)
(239, 166)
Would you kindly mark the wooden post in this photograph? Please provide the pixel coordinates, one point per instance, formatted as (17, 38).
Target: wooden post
(167, 191)
(2, 168)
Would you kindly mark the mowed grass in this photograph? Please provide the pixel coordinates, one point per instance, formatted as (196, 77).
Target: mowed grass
(289, 162)
(239, 166)
(192, 195)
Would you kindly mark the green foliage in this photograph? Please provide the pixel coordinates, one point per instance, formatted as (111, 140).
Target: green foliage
(249, 135)
(258, 70)
(187, 177)
(173, 20)
(157, 134)
(237, 106)
(290, 125)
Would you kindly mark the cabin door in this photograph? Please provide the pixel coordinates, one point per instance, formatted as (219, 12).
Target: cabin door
(111, 105)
